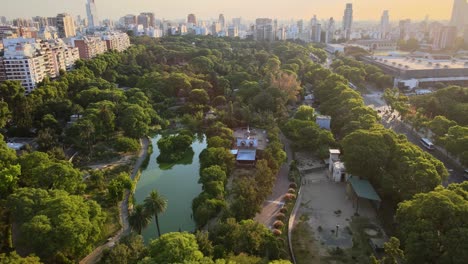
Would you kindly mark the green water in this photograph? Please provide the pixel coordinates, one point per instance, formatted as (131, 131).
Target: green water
(178, 183)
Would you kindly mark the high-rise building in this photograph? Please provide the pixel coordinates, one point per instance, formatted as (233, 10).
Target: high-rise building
(444, 37)
(348, 20)
(264, 29)
(384, 25)
(90, 46)
(404, 27)
(91, 11)
(459, 14)
(22, 62)
(116, 41)
(215, 28)
(152, 18)
(65, 26)
(3, 20)
(42, 21)
(192, 19)
(233, 31)
(52, 21)
(330, 30)
(222, 21)
(316, 33)
(21, 22)
(129, 20)
(143, 20)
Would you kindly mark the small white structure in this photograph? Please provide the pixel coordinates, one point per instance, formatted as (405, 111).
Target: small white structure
(336, 168)
(338, 173)
(334, 156)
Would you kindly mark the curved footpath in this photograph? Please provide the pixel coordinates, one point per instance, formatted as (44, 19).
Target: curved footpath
(94, 256)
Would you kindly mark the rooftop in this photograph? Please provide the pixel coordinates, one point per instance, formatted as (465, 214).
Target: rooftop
(408, 64)
(364, 189)
(246, 155)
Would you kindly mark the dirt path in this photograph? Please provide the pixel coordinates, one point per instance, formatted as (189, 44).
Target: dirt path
(94, 256)
(275, 201)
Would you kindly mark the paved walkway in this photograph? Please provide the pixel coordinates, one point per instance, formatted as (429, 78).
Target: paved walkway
(94, 256)
(275, 201)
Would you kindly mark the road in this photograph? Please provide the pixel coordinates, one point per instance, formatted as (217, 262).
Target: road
(374, 99)
(275, 201)
(94, 256)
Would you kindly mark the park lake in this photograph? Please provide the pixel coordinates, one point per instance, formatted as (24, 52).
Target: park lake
(178, 183)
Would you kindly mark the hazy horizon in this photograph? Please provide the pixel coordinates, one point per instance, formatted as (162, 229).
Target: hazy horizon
(207, 9)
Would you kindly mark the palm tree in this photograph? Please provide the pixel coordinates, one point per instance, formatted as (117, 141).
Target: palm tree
(139, 218)
(155, 204)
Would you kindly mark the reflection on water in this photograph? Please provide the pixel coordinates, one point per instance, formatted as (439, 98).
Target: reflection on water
(178, 183)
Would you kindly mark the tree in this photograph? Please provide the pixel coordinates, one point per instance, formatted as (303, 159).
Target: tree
(39, 171)
(202, 64)
(54, 223)
(117, 186)
(139, 218)
(198, 97)
(5, 114)
(155, 204)
(175, 248)
(130, 250)
(216, 156)
(204, 243)
(14, 258)
(305, 113)
(212, 173)
(134, 121)
(9, 169)
(433, 227)
(440, 125)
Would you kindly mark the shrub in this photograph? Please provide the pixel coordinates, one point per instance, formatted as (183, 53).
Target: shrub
(277, 232)
(125, 144)
(289, 197)
(293, 185)
(280, 216)
(278, 224)
(292, 190)
(284, 210)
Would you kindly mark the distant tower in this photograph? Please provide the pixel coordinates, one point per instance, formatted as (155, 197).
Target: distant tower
(91, 11)
(222, 21)
(459, 14)
(65, 26)
(348, 20)
(330, 30)
(384, 24)
(191, 18)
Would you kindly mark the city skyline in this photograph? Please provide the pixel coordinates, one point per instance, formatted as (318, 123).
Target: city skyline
(363, 9)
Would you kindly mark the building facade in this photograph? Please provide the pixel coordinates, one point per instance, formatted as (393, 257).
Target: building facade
(348, 21)
(116, 41)
(90, 46)
(65, 26)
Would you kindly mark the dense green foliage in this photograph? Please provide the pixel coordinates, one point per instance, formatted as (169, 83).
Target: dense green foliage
(433, 227)
(451, 102)
(174, 147)
(54, 224)
(358, 73)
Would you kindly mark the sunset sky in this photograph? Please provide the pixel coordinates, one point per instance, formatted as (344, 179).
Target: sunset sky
(205, 9)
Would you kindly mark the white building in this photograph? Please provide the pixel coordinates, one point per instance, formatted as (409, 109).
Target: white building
(118, 41)
(336, 168)
(384, 25)
(23, 63)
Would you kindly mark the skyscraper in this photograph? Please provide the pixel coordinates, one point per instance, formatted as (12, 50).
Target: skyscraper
(65, 26)
(143, 20)
(384, 25)
(91, 11)
(459, 14)
(329, 34)
(191, 18)
(348, 20)
(222, 21)
(152, 19)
